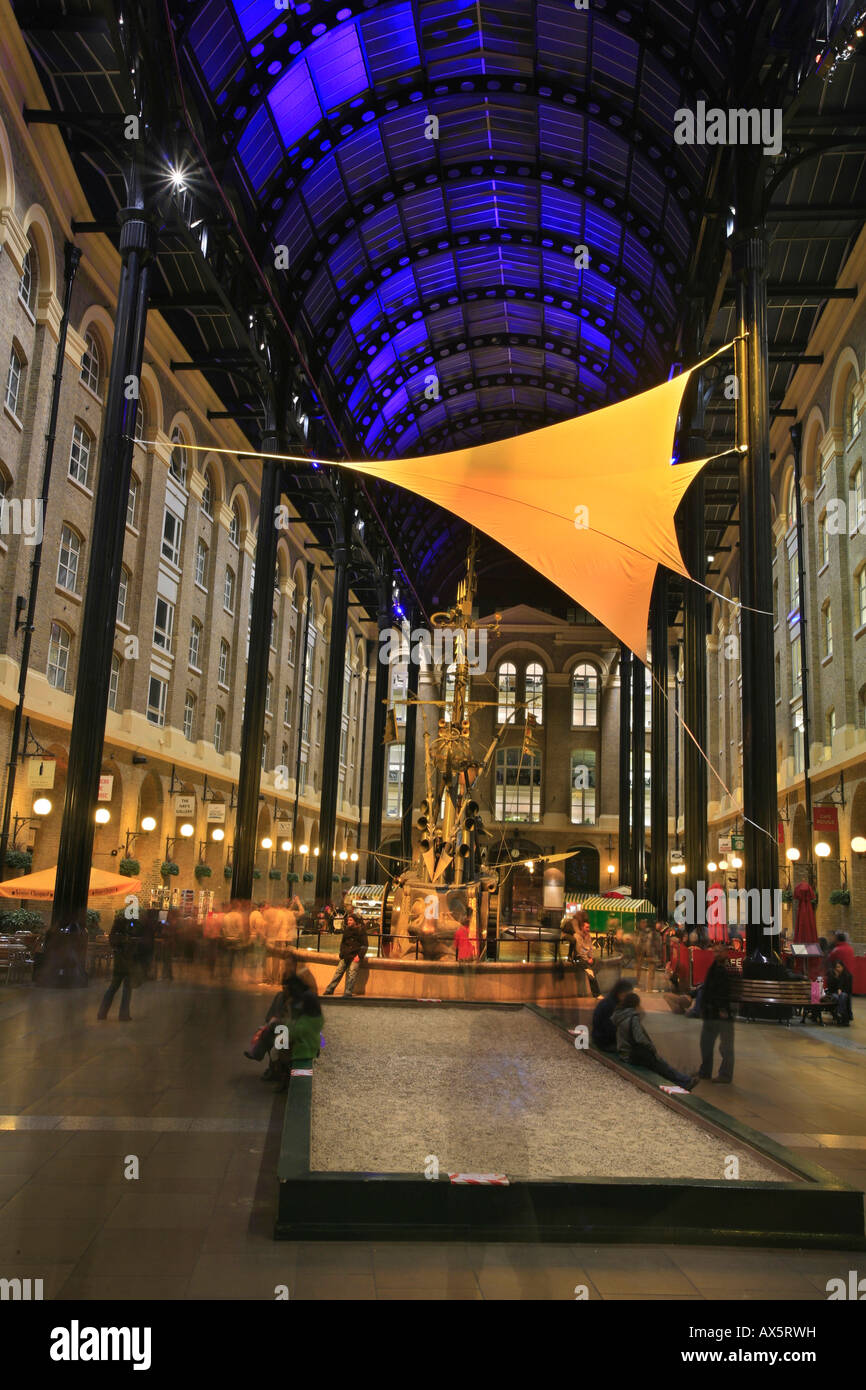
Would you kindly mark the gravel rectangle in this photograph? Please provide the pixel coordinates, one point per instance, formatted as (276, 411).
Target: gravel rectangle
(492, 1091)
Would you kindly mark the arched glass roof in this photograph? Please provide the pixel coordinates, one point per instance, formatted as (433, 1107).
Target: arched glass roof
(487, 221)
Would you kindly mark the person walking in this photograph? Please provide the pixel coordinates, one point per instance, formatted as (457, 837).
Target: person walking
(126, 942)
(353, 949)
(634, 1044)
(718, 1019)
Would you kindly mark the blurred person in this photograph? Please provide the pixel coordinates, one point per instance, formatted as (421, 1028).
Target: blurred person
(603, 1031)
(233, 933)
(257, 937)
(842, 950)
(634, 1044)
(211, 937)
(305, 1034)
(126, 941)
(718, 1019)
(840, 987)
(353, 948)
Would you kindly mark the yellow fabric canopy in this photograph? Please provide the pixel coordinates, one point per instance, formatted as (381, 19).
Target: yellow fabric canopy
(41, 885)
(589, 502)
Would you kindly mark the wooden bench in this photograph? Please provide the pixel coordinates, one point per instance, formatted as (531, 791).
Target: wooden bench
(788, 994)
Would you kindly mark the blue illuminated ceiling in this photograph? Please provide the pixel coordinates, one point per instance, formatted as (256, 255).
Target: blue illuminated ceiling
(431, 168)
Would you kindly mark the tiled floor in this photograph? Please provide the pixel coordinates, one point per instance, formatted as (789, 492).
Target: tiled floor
(139, 1162)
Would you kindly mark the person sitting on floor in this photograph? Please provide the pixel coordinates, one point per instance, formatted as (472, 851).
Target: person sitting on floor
(634, 1044)
(603, 1030)
(305, 1035)
(840, 987)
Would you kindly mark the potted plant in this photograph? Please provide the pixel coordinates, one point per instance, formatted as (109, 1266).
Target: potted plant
(293, 878)
(129, 868)
(19, 859)
(275, 874)
(840, 897)
(228, 871)
(787, 895)
(257, 873)
(20, 919)
(308, 878)
(168, 868)
(202, 871)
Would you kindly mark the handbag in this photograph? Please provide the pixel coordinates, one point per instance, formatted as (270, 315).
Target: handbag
(259, 1043)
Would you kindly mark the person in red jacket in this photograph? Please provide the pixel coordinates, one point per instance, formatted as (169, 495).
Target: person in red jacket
(843, 951)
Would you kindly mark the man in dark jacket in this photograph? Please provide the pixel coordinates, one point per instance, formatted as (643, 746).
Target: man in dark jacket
(634, 1044)
(353, 949)
(125, 940)
(718, 1019)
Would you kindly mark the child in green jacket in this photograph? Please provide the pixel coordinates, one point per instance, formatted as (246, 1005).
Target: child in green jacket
(304, 1037)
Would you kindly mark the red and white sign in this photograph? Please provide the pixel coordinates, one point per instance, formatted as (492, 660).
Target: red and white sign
(825, 818)
(106, 787)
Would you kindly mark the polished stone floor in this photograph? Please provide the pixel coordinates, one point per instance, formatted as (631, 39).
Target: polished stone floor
(85, 1105)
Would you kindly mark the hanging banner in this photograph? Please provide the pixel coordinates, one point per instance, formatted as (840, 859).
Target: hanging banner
(106, 787)
(825, 818)
(40, 772)
(184, 806)
(216, 812)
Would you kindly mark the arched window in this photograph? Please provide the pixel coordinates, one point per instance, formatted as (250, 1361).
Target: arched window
(791, 505)
(229, 590)
(195, 631)
(584, 697)
(266, 743)
(177, 462)
(57, 668)
(826, 630)
(269, 695)
(207, 495)
(506, 692)
(68, 559)
(27, 282)
(139, 421)
(223, 668)
(219, 720)
(80, 455)
(15, 382)
(235, 525)
(114, 682)
(91, 364)
(535, 691)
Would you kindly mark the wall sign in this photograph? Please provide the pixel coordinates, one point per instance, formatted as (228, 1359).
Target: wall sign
(184, 806)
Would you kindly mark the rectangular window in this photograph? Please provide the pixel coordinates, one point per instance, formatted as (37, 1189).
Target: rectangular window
(201, 565)
(58, 657)
(157, 694)
(13, 382)
(518, 785)
(163, 624)
(114, 682)
(830, 727)
(293, 642)
(823, 542)
(287, 707)
(223, 670)
(218, 721)
(194, 644)
(584, 698)
(132, 504)
(188, 715)
(583, 786)
(122, 594)
(796, 666)
(269, 692)
(302, 774)
(172, 527)
(827, 630)
(794, 579)
(67, 564)
(399, 687)
(79, 455)
(394, 781)
(229, 590)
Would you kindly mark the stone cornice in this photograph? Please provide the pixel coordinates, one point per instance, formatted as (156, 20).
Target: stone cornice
(49, 312)
(74, 347)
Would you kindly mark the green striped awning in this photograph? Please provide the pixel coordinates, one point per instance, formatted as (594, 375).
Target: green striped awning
(632, 906)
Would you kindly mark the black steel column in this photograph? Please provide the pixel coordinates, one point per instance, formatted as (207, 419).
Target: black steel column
(624, 849)
(695, 690)
(760, 804)
(375, 873)
(334, 702)
(797, 444)
(304, 626)
(99, 614)
(658, 863)
(253, 727)
(409, 733)
(638, 762)
(72, 256)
